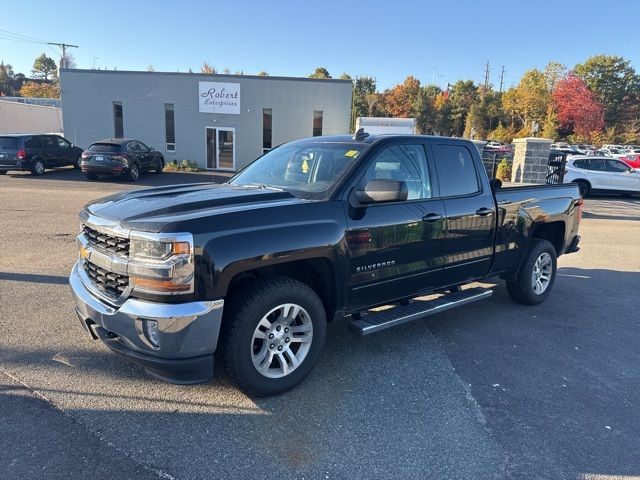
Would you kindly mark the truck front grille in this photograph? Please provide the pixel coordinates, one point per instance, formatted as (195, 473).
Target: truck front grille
(111, 243)
(111, 283)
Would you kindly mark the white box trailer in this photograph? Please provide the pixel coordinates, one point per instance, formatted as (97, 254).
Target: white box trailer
(382, 125)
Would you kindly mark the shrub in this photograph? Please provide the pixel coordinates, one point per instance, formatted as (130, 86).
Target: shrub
(503, 172)
(183, 166)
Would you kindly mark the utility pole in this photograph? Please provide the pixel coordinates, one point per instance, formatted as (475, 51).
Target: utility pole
(501, 79)
(486, 76)
(64, 46)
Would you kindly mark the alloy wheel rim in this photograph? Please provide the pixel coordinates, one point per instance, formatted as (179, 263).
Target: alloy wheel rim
(39, 168)
(541, 275)
(281, 341)
(134, 172)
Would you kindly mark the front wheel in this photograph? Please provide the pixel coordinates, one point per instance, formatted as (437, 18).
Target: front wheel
(273, 334)
(536, 275)
(159, 166)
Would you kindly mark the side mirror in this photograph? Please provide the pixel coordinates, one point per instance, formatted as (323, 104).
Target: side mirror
(495, 184)
(376, 191)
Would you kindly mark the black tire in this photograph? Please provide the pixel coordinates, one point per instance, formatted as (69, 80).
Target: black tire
(245, 310)
(522, 289)
(37, 168)
(134, 173)
(76, 164)
(159, 167)
(3, 172)
(90, 176)
(584, 188)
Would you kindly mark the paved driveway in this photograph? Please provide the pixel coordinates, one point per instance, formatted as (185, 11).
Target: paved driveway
(492, 390)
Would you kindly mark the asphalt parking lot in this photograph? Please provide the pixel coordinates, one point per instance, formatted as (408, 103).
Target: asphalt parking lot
(491, 390)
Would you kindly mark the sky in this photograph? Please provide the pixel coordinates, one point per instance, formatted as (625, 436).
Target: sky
(437, 42)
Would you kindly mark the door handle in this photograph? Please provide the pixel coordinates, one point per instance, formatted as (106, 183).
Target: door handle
(432, 217)
(483, 212)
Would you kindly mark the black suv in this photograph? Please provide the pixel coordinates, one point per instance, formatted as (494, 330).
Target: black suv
(120, 157)
(36, 153)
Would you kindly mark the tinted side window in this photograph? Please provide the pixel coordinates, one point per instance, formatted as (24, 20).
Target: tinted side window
(407, 163)
(597, 164)
(580, 164)
(456, 171)
(33, 142)
(62, 143)
(616, 166)
(49, 142)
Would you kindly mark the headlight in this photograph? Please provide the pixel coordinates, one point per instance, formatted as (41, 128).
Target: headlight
(161, 263)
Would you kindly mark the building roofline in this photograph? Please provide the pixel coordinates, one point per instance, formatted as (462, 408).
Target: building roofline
(217, 76)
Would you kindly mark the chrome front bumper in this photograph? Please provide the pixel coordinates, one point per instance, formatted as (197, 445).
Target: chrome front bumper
(187, 332)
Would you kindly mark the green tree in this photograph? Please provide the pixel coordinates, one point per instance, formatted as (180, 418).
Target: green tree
(263, 73)
(615, 83)
(501, 134)
(320, 72)
(553, 73)
(364, 100)
(345, 76)
(462, 95)
(44, 67)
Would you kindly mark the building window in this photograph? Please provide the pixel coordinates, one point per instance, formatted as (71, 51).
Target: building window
(317, 123)
(267, 118)
(118, 129)
(169, 128)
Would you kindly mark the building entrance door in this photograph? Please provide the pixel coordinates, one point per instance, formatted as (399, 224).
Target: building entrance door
(221, 151)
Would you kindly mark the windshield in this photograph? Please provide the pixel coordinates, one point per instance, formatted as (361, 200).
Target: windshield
(309, 169)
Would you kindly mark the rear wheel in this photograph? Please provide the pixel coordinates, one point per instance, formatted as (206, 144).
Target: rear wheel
(536, 275)
(134, 172)
(37, 168)
(273, 334)
(583, 187)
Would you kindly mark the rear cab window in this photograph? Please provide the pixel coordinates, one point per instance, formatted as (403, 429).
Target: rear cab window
(456, 170)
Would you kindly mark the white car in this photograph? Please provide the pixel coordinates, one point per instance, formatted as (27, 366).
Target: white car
(613, 152)
(601, 174)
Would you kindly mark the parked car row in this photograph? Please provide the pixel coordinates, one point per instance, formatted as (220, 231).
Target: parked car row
(110, 157)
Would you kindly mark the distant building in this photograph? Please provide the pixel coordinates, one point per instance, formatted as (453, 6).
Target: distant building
(26, 115)
(222, 122)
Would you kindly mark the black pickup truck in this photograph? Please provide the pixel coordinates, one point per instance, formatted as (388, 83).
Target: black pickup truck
(314, 231)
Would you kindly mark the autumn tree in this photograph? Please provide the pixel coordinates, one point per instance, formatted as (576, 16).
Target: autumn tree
(528, 101)
(578, 110)
(208, 68)
(408, 100)
(40, 90)
(614, 82)
(344, 76)
(320, 72)
(44, 67)
(263, 73)
(550, 125)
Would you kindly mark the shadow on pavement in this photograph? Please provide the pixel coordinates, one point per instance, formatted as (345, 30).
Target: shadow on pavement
(34, 278)
(558, 383)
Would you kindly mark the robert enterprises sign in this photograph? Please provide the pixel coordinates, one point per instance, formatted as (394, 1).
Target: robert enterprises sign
(215, 97)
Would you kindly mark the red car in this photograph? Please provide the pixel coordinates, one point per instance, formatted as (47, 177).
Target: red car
(632, 159)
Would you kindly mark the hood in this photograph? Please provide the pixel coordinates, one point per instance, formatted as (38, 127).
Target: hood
(154, 208)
